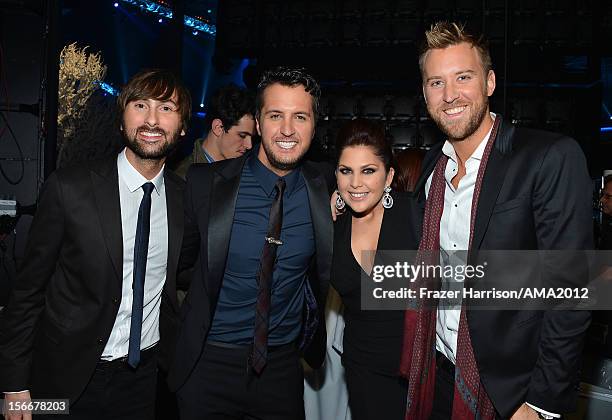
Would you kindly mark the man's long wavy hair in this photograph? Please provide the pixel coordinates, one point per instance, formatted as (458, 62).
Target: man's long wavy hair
(158, 84)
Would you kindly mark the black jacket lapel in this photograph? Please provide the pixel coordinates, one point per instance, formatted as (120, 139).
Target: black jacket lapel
(225, 184)
(320, 213)
(429, 164)
(494, 176)
(105, 181)
(174, 209)
(491, 184)
(318, 197)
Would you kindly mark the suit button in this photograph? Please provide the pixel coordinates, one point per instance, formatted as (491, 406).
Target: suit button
(115, 301)
(100, 341)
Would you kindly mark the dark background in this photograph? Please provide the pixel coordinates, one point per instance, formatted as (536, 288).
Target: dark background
(552, 59)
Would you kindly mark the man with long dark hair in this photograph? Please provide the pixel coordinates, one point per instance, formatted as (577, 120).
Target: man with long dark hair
(94, 306)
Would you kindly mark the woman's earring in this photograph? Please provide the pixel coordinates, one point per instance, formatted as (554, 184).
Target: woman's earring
(387, 200)
(339, 201)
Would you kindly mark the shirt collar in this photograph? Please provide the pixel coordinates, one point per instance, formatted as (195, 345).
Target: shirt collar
(208, 157)
(134, 179)
(449, 150)
(267, 179)
(199, 154)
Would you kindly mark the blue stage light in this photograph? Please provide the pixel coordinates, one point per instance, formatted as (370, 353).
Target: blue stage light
(201, 105)
(116, 4)
(195, 32)
(166, 12)
(200, 25)
(200, 114)
(605, 107)
(108, 88)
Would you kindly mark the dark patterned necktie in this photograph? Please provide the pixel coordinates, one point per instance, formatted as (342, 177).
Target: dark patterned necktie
(141, 248)
(259, 353)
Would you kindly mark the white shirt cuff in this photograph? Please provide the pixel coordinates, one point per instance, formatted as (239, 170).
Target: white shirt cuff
(547, 413)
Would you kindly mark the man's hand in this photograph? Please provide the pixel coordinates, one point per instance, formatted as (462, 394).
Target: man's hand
(525, 413)
(14, 400)
(332, 204)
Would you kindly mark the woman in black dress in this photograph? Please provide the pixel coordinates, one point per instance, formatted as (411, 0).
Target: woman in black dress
(376, 220)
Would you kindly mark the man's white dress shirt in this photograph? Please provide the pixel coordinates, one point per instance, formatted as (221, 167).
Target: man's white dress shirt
(455, 236)
(130, 195)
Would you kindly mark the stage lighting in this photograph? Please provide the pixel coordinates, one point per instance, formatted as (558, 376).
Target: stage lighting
(166, 12)
(201, 105)
(116, 4)
(108, 88)
(200, 25)
(160, 20)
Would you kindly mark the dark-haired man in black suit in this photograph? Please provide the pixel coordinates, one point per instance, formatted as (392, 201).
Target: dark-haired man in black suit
(259, 231)
(97, 289)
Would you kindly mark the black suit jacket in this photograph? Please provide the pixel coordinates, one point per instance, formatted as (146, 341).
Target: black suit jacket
(210, 201)
(65, 301)
(536, 194)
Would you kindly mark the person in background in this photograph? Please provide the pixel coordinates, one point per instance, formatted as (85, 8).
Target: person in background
(604, 234)
(407, 164)
(376, 220)
(325, 392)
(231, 127)
(94, 309)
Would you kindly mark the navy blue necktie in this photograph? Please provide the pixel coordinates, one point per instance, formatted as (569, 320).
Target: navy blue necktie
(141, 248)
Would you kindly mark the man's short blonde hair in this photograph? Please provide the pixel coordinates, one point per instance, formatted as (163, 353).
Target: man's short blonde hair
(445, 34)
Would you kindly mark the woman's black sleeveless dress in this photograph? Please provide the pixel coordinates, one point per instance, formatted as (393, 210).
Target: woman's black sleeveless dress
(373, 338)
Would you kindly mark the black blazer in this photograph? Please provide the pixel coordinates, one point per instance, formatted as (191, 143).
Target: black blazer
(65, 301)
(210, 201)
(536, 194)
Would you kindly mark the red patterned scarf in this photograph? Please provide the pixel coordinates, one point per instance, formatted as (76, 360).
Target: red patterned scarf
(418, 363)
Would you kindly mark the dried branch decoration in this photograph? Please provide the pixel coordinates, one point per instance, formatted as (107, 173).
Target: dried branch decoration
(79, 73)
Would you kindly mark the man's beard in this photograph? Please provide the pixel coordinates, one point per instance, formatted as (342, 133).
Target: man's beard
(147, 151)
(279, 164)
(462, 130)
